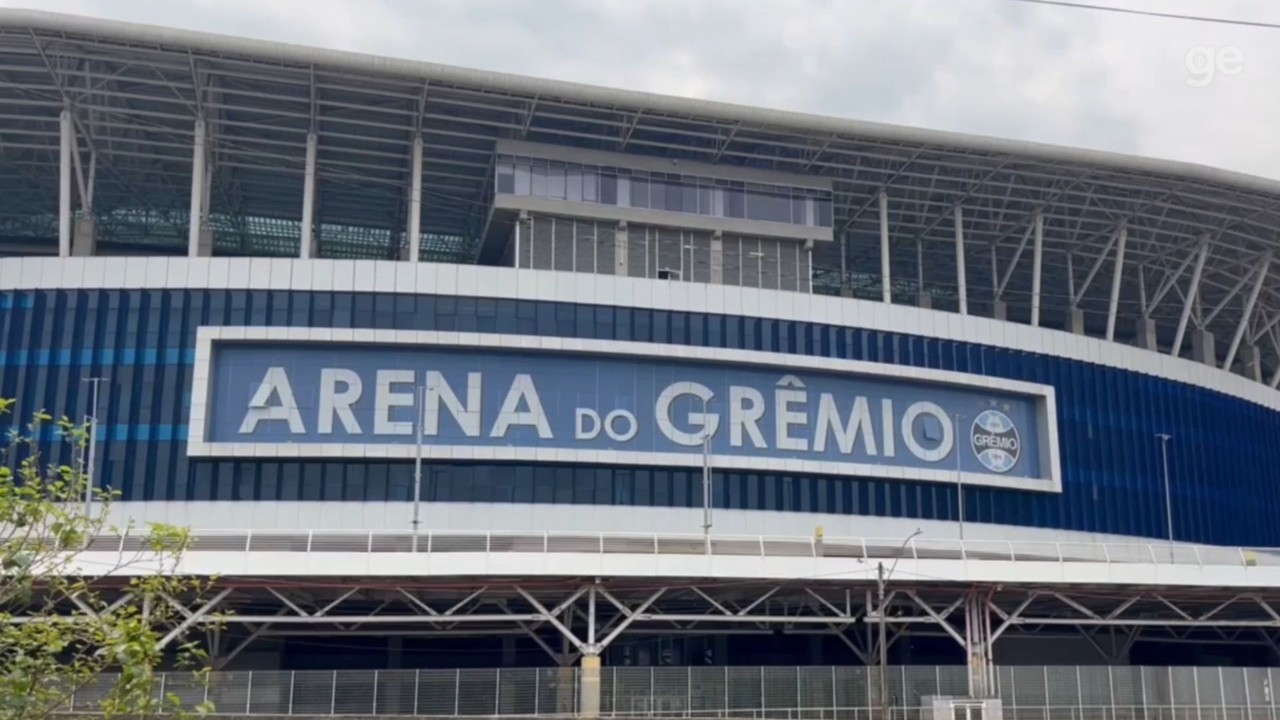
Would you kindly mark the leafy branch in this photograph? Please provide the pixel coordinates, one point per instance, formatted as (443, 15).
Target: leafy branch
(71, 622)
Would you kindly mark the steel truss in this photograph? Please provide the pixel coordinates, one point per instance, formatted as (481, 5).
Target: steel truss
(573, 618)
(144, 136)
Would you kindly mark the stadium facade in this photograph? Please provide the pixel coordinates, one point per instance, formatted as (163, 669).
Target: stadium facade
(595, 306)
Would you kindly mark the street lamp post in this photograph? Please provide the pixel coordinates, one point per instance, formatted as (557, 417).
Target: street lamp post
(91, 463)
(1168, 499)
(882, 579)
(706, 481)
(957, 418)
(419, 408)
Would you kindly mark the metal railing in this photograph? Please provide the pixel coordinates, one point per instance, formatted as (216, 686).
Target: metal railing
(918, 548)
(819, 693)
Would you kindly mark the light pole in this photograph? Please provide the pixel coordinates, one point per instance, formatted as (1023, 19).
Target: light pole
(1168, 500)
(882, 579)
(419, 408)
(91, 463)
(706, 480)
(957, 418)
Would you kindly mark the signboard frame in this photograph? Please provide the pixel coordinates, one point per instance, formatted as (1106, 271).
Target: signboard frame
(207, 337)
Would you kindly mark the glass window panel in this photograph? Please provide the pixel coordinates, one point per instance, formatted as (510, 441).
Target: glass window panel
(523, 179)
(574, 190)
(736, 204)
(556, 183)
(608, 190)
(540, 171)
(506, 179)
(689, 198)
(824, 213)
(639, 193)
(675, 198)
(590, 186)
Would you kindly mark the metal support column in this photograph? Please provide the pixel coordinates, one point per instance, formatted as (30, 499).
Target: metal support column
(1122, 235)
(414, 230)
(977, 645)
(962, 288)
(1249, 304)
(882, 644)
(196, 215)
(309, 198)
(1192, 291)
(65, 131)
(886, 280)
(1037, 265)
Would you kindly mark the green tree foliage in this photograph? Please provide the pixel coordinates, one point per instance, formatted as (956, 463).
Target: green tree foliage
(85, 615)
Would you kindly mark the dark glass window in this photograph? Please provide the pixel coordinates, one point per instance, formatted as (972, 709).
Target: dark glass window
(608, 190)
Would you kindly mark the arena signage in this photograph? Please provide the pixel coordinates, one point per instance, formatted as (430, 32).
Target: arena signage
(307, 398)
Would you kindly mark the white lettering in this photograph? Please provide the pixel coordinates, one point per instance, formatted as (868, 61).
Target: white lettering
(914, 411)
(829, 421)
(784, 416)
(632, 426)
(438, 391)
(333, 402)
(887, 432)
(995, 441)
(274, 382)
(706, 423)
(385, 400)
(580, 417)
(522, 390)
(746, 407)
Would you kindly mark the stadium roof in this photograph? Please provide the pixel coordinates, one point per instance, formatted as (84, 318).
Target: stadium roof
(136, 90)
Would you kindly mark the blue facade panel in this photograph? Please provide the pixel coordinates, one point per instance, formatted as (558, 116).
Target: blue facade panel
(1223, 458)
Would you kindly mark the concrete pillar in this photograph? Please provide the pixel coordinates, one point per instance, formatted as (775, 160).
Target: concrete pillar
(1146, 334)
(924, 300)
(717, 258)
(308, 240)
(589, 699)
(1037, 265)
(1203, 349)
(962, 284)
(621, 245)
(1251, 356)
(65, 144)
(85, 241)
(198, 213)
(1001, 310)
(413, 242)
(204, 243)
(886, 276)
(1075, 321)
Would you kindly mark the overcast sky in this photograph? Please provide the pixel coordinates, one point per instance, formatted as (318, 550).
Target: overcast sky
(1185, 90)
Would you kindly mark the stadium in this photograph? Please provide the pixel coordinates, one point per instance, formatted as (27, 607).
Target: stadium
(483, 390)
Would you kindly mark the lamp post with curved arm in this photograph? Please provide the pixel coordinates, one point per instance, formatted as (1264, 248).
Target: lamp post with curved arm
(882, 579)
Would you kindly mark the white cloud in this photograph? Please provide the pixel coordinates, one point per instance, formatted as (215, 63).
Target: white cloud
(996, 67)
